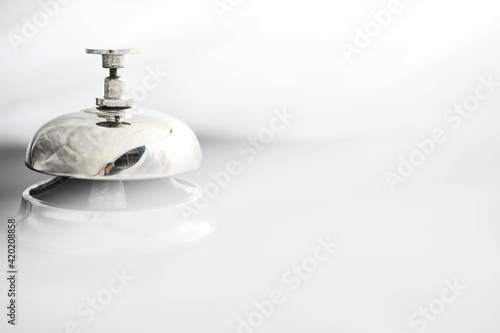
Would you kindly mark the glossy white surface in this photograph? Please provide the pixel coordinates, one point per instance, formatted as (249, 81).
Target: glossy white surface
(397, 249)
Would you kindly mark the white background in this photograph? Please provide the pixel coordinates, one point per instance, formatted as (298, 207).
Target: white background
(323, 175)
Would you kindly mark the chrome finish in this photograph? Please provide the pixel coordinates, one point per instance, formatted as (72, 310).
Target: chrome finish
(77, 145)
(95, 203)
(115, 140)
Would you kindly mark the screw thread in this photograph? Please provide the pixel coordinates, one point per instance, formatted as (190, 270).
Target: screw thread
(113, 72)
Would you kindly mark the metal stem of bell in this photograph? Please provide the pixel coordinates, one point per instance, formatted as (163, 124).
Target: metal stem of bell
(114, 85)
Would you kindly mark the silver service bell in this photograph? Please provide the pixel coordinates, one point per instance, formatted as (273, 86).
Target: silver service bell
(113, 164)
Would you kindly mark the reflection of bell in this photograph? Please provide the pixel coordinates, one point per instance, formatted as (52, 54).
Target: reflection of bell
(113, 165)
